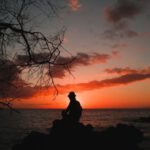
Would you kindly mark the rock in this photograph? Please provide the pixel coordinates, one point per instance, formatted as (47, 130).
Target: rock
(143, 120)
(73, 135)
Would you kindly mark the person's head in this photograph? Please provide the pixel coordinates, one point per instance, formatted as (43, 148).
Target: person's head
(72, 95)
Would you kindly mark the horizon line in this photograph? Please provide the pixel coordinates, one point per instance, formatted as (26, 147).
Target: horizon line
(86, 108)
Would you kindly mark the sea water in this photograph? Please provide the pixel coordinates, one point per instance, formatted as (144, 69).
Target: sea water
(14, 126)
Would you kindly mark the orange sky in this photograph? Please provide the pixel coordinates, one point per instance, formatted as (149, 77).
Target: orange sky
(122, 96)
(112, 50)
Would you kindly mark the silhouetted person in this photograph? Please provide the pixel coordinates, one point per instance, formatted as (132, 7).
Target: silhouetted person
(74, 109)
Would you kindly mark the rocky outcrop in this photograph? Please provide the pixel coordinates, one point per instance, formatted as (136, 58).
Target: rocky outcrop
(142, 120)
(69, 135)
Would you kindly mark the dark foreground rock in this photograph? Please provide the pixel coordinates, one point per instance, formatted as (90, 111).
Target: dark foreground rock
(68, 135)
(142, 120)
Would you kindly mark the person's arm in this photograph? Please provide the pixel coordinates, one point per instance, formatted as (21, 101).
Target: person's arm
(68, 108)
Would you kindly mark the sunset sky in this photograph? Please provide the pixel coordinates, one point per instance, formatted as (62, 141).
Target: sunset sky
(111, 42)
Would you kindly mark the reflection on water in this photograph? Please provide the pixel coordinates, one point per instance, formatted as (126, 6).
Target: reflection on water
(15, 126)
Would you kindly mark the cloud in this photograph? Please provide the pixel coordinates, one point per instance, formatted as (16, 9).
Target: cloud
(74, 5)
(124, 9)
(13, 86)
(90, 59)
(115, 53)
(121, 15)
(23, 59)
(125, 79)
(123, 45)
(81, 87)
(128, 70)
(115, 33)
(122, 33)
(93, 85)
(80, 59)
(10, 81)
(20, 92)
(126, 76)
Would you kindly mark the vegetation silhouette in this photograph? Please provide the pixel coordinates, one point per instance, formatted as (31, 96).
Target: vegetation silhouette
(68, 133)
(29, 56)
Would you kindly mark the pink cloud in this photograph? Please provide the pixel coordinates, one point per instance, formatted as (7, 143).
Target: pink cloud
(128, 70)
(95, 84)
(80, 59)
(127, 76)
(74, 5)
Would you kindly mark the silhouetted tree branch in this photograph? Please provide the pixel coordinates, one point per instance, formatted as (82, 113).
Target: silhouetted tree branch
(25, 48)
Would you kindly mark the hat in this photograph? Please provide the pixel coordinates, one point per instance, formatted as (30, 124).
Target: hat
(71, 93)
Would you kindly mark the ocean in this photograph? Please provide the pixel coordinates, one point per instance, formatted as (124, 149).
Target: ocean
(14, 126)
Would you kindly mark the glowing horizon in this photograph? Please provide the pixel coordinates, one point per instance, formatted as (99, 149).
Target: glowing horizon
(112, 69)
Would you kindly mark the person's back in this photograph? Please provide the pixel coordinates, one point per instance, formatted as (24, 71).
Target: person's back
(75, 110)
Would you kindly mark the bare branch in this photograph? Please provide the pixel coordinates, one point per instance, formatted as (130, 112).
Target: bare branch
(8, 105)
(23, 48)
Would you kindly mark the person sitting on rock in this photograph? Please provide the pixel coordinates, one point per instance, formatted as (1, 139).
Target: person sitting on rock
(74, 109)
